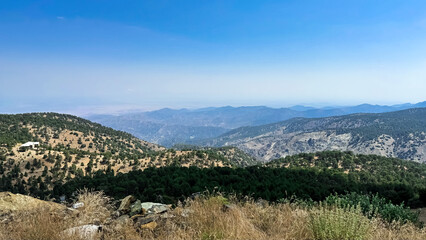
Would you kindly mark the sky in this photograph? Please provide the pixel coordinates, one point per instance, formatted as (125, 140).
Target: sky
(85, 56)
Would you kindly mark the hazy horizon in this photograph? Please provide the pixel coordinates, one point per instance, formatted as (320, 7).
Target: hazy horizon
(84, 111)
(86, 56)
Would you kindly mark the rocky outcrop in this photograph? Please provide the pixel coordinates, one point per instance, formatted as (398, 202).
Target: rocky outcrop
(10, 202)
(125, 204)
(396, 134)
(143, 214)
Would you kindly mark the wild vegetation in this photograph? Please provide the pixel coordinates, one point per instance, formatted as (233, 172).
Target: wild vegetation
(328, 195)
(209, 216)
(73, 147)
(175, 183)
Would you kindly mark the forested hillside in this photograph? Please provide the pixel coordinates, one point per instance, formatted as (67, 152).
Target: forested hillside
(399, 134)
(73, 147)
(306, 176)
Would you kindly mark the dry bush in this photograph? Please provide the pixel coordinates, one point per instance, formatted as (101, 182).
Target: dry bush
(39, 224)
(122, 232)
(396, 231)
(97, 208)
(206, 218)
(279, 221)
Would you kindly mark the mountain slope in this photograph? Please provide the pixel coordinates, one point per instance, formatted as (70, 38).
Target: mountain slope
(168, 127)
(395, 134)
(62, 130)
(73, 147)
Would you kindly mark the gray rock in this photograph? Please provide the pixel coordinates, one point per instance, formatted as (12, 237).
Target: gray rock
(151, 207)
(136, 208)
(126, 203)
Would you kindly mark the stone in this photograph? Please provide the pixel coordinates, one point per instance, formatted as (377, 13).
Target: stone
(136, 208)
(88, 232)
(126, 203)
(10, 203)
(151, 207)
(78, 205)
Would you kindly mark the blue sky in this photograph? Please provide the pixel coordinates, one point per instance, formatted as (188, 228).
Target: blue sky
(81, 56)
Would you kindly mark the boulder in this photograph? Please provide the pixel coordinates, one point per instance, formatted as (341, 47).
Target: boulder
(151, 207)
(136, 208)
(126, 203)
(10, 202)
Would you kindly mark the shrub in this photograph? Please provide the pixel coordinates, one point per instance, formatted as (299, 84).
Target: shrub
(373, 205)
(333, 222)
(97, 207)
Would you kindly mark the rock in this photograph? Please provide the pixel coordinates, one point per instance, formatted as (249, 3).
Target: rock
(151, 226)
(78, 205)
(88, 232)
(136, 208)
(10, 202)
(151, 207)
(126, 203)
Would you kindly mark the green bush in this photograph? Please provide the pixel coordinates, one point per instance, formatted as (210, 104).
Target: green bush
(332, 222)
(373, 205)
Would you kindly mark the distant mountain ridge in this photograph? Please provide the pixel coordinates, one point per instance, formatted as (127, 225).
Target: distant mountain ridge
(399, 134)
(168, 126)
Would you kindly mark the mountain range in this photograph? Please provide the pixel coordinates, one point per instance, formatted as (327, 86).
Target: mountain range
(168, 127)
(400, 134)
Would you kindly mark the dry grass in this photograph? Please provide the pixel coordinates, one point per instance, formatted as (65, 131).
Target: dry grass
(40, 224)
(397, 232)
(96, 210)
(206, 218)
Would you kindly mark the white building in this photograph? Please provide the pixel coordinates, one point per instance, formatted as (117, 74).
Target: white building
(29, 145)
